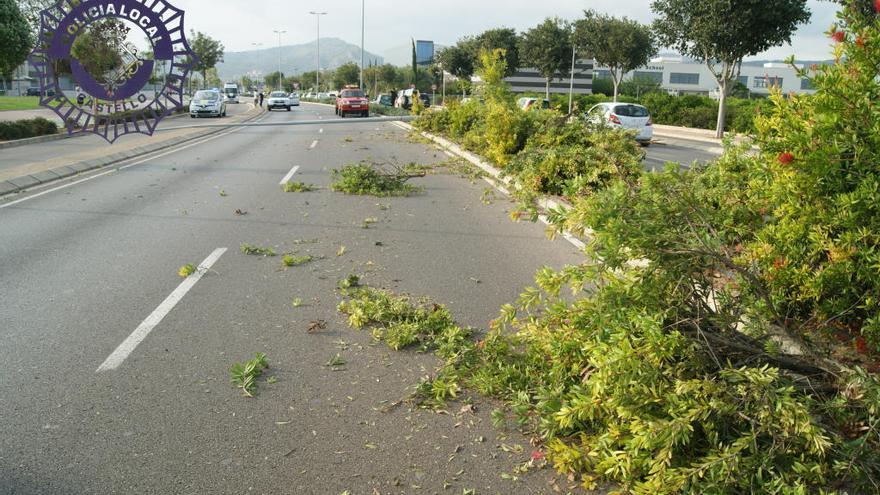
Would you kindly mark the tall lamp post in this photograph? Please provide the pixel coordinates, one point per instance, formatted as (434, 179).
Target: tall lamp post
(279, 33)
(363, 17)
(257, 49)
(318, 50)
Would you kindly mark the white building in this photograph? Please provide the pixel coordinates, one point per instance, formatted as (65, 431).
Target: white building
(526, 80)
(680, 76)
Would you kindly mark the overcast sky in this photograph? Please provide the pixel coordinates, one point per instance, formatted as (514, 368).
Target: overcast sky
(391, 23)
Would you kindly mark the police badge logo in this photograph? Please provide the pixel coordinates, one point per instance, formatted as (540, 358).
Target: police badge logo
(94, 43)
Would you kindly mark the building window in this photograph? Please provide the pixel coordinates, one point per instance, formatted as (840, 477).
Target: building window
(766, 82)
(601, 74)
(744, 80)
(656, 77)
(807, 84)
(684, 78)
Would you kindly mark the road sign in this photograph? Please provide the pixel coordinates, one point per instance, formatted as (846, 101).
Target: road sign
(433, 87)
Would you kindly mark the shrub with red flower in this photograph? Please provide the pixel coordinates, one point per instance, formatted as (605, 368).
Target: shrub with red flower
(786, 158)
(838, 36)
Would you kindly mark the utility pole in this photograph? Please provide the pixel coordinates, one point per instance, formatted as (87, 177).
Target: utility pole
(363, 21)
(318, 50)
(279, 33)
(257, 49)
(571, 82)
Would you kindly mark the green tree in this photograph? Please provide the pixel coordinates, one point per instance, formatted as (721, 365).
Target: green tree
(503, 38)
(246, 83)
(621, 45)
(271, 80)
(97, 47)
(458, 61)
(15, 38)
(723, 32)
(348, 73)
(208, 51)
(547, 47)
(31, 9)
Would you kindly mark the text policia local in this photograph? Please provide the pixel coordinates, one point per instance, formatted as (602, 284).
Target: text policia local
(102, 9)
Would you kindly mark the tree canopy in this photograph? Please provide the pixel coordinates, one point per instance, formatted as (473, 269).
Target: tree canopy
(723, 32)
(621, 45)
(208, 51)
(547, 47)
(15, 37)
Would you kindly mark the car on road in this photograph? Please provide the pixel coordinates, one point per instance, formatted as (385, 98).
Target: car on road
(384, 100)
(529, 103)
(624, 116)
(207, 102)
(278, 99)
(352, 101)
(294, 99)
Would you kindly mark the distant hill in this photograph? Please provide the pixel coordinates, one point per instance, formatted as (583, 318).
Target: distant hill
(334, 52)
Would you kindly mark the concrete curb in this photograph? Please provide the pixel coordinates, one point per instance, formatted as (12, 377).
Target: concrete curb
(19, 184)
(544, 202)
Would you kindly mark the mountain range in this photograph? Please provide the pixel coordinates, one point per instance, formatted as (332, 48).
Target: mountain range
(295, 59)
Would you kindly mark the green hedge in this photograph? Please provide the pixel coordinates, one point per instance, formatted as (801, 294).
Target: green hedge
(22, 129)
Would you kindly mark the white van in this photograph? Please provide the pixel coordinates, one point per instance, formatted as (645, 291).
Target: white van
(231, 92)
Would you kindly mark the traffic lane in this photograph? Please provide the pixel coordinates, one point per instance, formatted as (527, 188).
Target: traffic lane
(153, 411)
(58, 239)
(667, 149)
(84, 146)
(78, 276)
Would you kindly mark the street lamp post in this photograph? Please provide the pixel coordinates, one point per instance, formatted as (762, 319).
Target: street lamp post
(363, 17)
(279, 33)
(318, 50)
(257, 48)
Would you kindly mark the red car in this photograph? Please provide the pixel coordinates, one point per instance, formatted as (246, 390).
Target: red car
(352, 101)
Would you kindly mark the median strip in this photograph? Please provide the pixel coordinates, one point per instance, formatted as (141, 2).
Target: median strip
(143, 330)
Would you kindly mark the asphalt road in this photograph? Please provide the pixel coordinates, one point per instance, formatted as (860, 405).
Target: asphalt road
(83, 266)
(667, 149)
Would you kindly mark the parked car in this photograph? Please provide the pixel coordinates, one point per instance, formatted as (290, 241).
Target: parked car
(529, 103)
(625, 116)
(278, 99)
(322, 96)
(207, 102)
(352, 101)
(426, 100)
(294, 99)
(384, 100)
(36, 91)
(405, 98)
(478, 99)
(332, 95)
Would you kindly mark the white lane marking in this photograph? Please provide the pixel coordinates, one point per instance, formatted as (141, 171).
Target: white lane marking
(320, 131)
(314, 143)
(108, 172)
(289, 175)
(143, 330)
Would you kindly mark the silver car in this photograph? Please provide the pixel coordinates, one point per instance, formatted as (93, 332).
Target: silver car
(207, 103)
(294, 99)
(278, 99)
(625, 116)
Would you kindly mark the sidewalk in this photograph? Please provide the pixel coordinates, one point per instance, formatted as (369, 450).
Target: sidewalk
(692, 134)
(31, 165)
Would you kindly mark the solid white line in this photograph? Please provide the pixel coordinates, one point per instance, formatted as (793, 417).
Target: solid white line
(321, 131)
(143, 330)
(289, 175)
(314, 143)
(108, 172)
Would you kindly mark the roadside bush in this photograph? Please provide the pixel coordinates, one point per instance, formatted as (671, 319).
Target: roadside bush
(574, 158)
(23, 129)
(820, 253)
